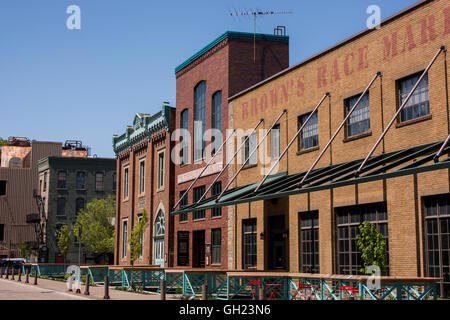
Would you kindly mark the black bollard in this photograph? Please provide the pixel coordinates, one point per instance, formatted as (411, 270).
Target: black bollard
(20, 275)
(106, 296)
(27, 275)
(7, 273)
(205, 291)
(86, 288)
(13, 272)
(35, 276)
(162, 290)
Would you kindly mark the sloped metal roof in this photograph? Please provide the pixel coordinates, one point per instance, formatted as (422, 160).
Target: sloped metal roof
(384, 166)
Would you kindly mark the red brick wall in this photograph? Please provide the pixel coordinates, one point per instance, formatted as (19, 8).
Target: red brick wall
(228, 67)
(152, 199)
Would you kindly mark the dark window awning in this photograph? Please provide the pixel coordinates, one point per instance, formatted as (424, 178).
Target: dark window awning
(384, 166)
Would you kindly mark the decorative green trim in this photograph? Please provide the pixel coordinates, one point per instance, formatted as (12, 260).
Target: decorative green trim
(231, 35)
(144, 126)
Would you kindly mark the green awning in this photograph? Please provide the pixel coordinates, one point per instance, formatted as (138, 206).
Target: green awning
(384, 166)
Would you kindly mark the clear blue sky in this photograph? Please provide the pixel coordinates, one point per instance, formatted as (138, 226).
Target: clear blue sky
(58, 84)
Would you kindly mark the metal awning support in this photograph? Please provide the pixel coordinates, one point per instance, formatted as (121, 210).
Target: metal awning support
(378, 74)
(250, 155)
(441, 150)
(334, 176)
(291, 142)
(441, 49)
(228, 163)
(204, 169)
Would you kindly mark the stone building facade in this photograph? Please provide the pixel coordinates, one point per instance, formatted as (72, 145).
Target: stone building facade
(67, 185)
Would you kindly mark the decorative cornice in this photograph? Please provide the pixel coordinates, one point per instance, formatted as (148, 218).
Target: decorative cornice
(145, 128)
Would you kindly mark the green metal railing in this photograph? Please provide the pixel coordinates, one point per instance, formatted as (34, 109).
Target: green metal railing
(238, 285)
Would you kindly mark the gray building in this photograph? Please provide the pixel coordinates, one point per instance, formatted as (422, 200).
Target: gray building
(67, 185)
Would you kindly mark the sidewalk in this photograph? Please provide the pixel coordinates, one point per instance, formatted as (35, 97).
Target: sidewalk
(96, 292)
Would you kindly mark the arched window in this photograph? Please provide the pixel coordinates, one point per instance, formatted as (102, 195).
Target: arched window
(79, 205)
(199, 120)
(217, 111)
(81, 177)
(217, 117)
(159, 224)
(184, 153)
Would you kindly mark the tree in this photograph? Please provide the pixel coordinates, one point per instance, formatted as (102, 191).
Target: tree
(96, 223)
(136, 238)
(25, 250)
(63, 240)
(372, 246)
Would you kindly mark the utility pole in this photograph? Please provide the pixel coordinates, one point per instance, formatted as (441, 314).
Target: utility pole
(255, 14)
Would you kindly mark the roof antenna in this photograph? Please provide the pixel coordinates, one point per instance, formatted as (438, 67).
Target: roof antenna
(255, 14)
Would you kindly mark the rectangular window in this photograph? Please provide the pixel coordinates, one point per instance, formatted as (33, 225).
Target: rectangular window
(275, 142)
(62, 177)
(419, 104)
(216, 190)
(125, 183)
(45, 181)
(142, 176)
(61, 207)
(359, 121)
(161, 170)
(216, 244)
(79, 205)
(124, 237)
(437, 239)
(348, 221)
(2, 187)
(183, 204)
(141, 239)
(309, 242)
(249, 146)
(183, 248)
(249, 243)
(309, 137)
(99, 181)
(2, 232)
(198, 192)
(80, 180)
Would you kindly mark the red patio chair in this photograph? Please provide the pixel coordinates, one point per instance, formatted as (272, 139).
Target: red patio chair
(349, 289)
(254, 290)
(302, 291)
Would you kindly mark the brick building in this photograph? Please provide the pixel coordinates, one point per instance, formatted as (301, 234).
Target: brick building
(67, 185)
(144, 180)
(227, 65)
(308, 222)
